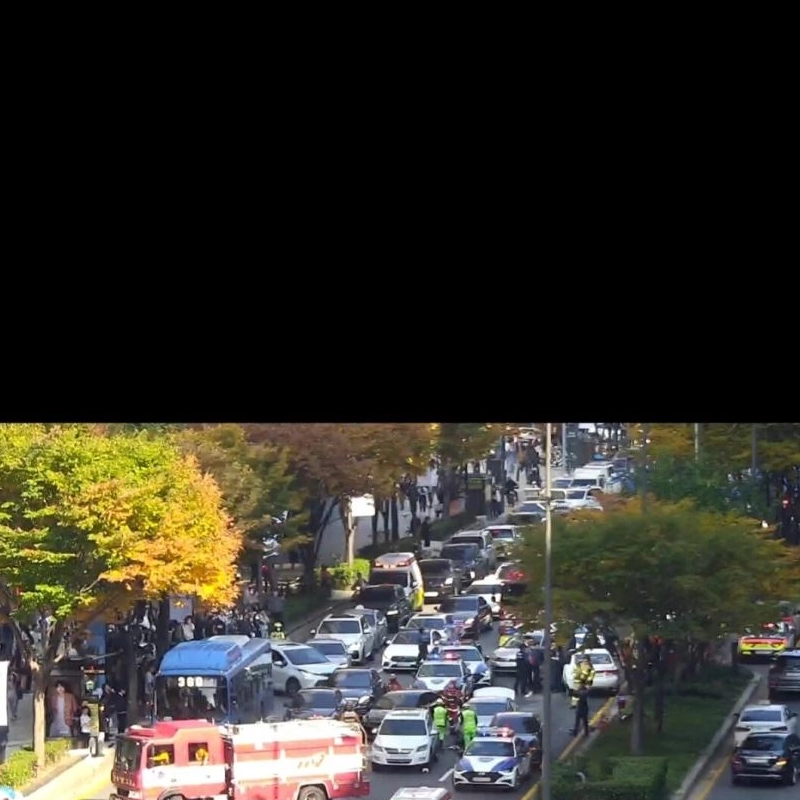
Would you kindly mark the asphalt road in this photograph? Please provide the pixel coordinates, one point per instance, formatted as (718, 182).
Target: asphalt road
(385, 783)
(716, 784)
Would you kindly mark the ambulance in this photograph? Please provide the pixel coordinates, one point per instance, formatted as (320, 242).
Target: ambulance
(402, 570)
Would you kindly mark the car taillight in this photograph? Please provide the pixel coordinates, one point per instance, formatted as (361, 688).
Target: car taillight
(611, 671)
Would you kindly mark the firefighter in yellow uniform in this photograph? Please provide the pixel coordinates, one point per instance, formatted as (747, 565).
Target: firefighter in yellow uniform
(584, 678)
(161, 758)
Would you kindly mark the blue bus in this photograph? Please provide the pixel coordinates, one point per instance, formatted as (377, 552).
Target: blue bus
(221, 679)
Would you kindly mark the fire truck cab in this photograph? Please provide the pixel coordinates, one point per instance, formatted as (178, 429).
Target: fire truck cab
(196, 760)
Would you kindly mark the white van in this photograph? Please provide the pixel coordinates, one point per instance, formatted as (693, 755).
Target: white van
(597, 475)
(403, 570)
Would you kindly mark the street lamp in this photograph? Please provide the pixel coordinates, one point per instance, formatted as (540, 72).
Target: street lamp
(547, 716)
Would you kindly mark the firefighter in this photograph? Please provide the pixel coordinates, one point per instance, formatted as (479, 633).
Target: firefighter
(584, 677)
(393, 685)
(277, 631)
(469, 724)
(440, 719)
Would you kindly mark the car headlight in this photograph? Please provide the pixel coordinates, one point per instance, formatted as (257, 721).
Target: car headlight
(391, 613)
(448, 582)
(422, 748)
(377, 748)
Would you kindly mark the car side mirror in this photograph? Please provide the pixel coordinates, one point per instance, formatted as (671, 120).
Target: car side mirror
(313, 631)
(436, 608)
(494, 599)
(278, 662)
(362, 701)
(792, 715)
(736, 715)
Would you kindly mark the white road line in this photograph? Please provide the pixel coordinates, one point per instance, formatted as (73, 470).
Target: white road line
(446, 775)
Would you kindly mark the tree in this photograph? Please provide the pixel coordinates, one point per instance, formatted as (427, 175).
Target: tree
(457, 443)
(673, 571)
(89, 522)
(332, 462)
(255, 479)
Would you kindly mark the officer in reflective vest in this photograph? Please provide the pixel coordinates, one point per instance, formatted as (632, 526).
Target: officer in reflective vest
(584, 678)
(440, 719)
(469, 724)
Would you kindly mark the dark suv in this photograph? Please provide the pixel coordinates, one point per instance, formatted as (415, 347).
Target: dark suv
(466, 558)
(440, 579)
(784, 675)
(388, 598)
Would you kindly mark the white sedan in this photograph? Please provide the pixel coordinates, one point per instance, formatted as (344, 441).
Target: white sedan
(490, 701)
(763, 718)
(606, 671)
(402, 651)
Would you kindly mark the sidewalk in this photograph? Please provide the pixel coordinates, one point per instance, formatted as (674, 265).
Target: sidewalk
(20, 731)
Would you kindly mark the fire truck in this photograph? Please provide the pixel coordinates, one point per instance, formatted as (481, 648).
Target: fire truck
(196, 760)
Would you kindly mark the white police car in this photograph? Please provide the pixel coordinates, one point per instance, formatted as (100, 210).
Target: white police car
(495, 757)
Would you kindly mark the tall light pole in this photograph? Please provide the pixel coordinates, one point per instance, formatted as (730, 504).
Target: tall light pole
(547, 715)
(564, 459)
(697, 441)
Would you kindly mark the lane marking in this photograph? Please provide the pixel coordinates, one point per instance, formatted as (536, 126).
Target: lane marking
(712, 778)
(566, 752)
(446, 775)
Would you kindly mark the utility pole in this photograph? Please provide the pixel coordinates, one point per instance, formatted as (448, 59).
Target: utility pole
(564, 450)
(547, 715)
(697, 441)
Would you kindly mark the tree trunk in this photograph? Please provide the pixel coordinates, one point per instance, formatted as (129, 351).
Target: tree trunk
(385, 514)
(659, 665)
(395, 520)
(349, 524)
(375, 520)
(162, 628)
(39, 677)
(132, 668)
(638, 688)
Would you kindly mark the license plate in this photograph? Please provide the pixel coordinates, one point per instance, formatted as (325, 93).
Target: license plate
(482, 780)
(431, 594)
(398, 760)
(758, 761)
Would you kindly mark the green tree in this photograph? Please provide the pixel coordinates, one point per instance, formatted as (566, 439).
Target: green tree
(256, 481)
(89, 522)
(674, 571)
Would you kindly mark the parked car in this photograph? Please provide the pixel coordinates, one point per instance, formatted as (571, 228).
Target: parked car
(466, 558)
(471, 613)
(335, 650)
(395, 701)
(359, 684)
(297, 666)
(606, 671)
(353, 630)
(488, 702)
(402, 652)
(377, 621)
(405, 738)
(440, 579)
(308, 703)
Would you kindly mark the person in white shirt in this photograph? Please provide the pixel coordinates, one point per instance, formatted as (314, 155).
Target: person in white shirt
(188, 629)
(86, 725)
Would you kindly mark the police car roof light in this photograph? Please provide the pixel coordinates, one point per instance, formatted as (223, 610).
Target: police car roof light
(504, 733)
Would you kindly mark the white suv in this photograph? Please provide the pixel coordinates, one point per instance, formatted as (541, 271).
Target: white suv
(298, 666)
(405, 738)
(353, 630)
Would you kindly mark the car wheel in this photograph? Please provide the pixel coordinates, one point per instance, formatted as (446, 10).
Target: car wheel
(515, 784)
(292, 686)
(791, 778)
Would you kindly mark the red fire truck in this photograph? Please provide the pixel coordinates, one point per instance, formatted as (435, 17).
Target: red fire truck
(195, 760)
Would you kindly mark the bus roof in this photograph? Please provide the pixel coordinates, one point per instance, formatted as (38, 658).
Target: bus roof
(218, 655)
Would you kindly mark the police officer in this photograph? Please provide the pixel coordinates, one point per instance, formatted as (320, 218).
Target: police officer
(422, 644)
(584, 677)
(469, 724)
(277, 631)
(440, 719)
(582, 711)
(522, 674)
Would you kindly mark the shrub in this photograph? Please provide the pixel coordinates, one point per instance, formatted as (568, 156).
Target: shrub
(344, 576)
(20, 768)
(612, 779)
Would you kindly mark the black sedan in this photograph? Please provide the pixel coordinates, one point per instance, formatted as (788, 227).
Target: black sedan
(527, 727)
(309, 703)
(773, 757)
(361, 685)
(392, 701)
(471, 613)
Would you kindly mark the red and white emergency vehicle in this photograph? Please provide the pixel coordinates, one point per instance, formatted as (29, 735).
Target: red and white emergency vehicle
(195, 760)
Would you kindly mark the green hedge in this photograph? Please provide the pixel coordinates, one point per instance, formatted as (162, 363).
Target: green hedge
(612, 779)
(344, 577)
(20, 767)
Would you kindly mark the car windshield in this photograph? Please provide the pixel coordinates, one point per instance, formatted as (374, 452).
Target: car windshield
(788, 664)
(501, 533)
(352, 680)
(487, 589)
(761, 715)
(300, 656)
(347, 626)
(578, 494)
(598, 658)
(464, 653)
(312, 698)
(488, 708)
(428, 623)
(456, 604)
(332, 648)
(765, 744)
(376, 594)
(440, 670)
(488, 747)
(587, 482)
(127, 754)
(402, 727)
(435, 566)
(406, 637)
(460, 552)
(397, 577)
(562, 483)
(527, 724)
(398, 700)
(476, 540)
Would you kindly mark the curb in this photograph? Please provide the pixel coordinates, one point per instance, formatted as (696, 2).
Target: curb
(724, 730)
(85, 772)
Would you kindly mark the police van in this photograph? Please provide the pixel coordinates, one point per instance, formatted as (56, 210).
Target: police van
(402, 570)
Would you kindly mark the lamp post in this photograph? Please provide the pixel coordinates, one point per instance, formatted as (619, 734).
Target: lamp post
(564, 449)
(547, 715)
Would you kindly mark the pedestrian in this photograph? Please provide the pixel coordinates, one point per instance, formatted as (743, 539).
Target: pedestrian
(423, 500)
(496, 503)
(469, 724)
(188, 629)
(440, 719)
(275, 606)
(522, 672)
(425, 532)
(294, 558)
(534, 662)
(422, 645)
(13, 690)
(85, 722)
(582, 712)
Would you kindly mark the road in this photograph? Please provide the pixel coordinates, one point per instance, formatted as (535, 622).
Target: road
(385, 783)
(716, 784)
